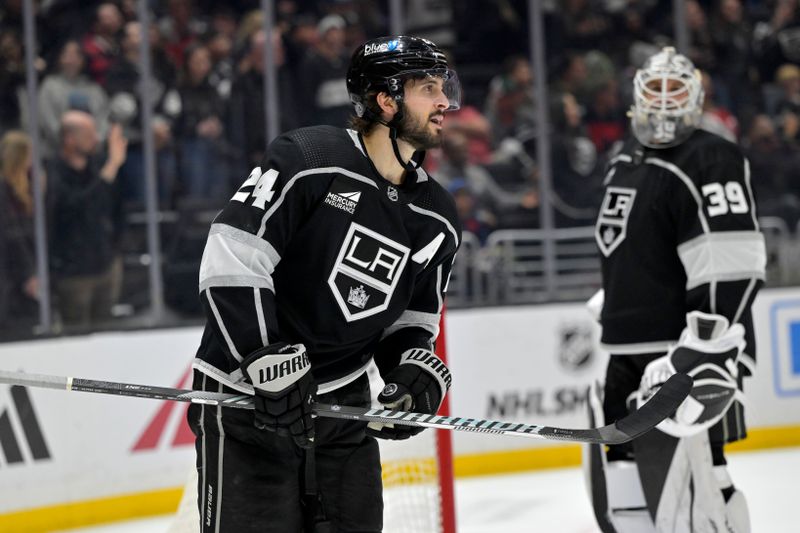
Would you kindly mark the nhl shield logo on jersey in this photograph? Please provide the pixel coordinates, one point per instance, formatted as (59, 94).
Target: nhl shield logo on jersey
(366, 272)
(613, 219)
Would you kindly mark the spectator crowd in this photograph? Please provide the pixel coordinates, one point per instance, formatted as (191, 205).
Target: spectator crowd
(206, 94)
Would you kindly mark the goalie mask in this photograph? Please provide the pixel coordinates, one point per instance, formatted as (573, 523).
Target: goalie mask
(667, 100)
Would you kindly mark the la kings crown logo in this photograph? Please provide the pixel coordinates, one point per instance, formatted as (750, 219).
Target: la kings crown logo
(366, 272)
(612, 222)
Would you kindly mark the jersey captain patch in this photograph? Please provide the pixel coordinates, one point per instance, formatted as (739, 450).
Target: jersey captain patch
(366, 272)
(613, 219)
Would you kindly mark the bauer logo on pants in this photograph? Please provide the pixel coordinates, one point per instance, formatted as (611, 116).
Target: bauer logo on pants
(366, 272)
(613, 219)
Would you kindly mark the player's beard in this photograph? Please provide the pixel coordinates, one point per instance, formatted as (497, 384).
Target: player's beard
(418, 133)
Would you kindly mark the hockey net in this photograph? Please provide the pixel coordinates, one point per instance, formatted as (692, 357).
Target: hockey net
(418, 491)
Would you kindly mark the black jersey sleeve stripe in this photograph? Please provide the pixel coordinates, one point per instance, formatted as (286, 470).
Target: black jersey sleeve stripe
(262, 322)
(222, 328)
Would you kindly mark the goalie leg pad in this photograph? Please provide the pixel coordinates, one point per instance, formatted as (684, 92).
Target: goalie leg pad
(681, 488)
(614, 486)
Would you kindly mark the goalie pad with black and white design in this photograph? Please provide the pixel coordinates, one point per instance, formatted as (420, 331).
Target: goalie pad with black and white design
(708, 351)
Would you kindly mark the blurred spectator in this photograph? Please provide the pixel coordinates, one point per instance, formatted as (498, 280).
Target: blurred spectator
(19, 285)
(323, 89)
(499, 199)
(12, 80)
(510, 104)
(198, 129)
(180, 28)
(605, 118)
(474, 219)
(583, 25)
(247, 117)
(788, 79)
(773, 166)
(67, 88)
(470, 122)
(716, 118)
(777, 40)
(100, 45)
(701, 47)
(733, 37)
(569, 75)
(220, 48)
(126, 92)
(576, 187)
(84, 219)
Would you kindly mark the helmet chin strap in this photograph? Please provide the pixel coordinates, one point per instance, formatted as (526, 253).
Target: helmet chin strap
(417, 157)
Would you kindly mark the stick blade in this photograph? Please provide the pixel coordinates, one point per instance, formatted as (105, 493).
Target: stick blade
(662, 405)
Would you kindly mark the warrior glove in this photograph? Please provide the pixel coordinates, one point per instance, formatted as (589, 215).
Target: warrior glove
(419, 384)
(708, 351)
(285, 390)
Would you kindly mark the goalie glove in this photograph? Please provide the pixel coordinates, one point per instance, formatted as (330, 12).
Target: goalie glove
(419, 384)
(708, 351)
(285, 390)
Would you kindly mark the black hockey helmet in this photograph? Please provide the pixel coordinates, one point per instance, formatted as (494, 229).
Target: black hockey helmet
(383, 64)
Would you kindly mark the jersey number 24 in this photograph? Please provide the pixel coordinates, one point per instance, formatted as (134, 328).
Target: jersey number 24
(263, 187)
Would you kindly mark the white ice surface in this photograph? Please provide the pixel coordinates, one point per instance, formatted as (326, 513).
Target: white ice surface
(556, 500)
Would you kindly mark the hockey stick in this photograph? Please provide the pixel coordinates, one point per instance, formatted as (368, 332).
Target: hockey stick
(659, 407)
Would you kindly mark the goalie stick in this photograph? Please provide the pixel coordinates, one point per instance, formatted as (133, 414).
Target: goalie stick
(660, 406)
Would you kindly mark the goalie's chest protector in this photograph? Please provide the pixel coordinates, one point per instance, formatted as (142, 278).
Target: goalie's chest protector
(364, 249)
(637, 235)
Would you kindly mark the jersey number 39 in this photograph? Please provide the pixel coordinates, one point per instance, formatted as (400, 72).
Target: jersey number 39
(724, 199)
(263, 187)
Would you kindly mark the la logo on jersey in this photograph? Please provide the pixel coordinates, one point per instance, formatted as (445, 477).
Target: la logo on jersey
(366, 272)
(613, 220)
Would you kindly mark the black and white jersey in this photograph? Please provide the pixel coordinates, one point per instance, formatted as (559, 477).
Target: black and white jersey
(677, 231)
(318, 248)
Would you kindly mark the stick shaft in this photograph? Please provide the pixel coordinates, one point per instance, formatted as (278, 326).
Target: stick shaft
(663, 404)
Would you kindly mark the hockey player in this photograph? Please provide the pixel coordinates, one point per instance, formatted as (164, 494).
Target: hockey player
(682, 260)
(334, 252)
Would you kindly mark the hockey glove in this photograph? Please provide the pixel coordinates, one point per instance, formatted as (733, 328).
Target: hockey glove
(417, 384)
(285, 390)
(708, 351)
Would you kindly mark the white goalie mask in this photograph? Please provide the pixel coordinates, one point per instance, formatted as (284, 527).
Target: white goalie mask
(667, 100)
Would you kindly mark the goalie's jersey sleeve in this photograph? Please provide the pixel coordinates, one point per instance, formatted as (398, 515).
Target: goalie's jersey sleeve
(677, 231)
(317, 248)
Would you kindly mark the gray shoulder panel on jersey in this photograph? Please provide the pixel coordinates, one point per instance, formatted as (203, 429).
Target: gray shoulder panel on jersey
(723, 256)
(415, 319)
(438, 217)
(303, 174)
(234, 258)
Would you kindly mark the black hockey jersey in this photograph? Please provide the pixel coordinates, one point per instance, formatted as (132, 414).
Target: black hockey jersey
(318, 248)
(677, 231)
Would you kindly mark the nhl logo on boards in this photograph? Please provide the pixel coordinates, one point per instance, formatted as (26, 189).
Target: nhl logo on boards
(392, 193)
(612, 222)
(366, 272)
